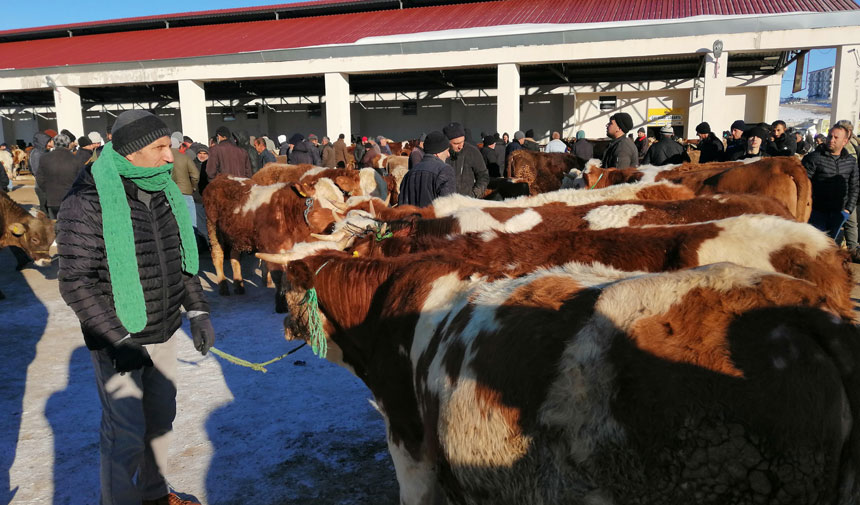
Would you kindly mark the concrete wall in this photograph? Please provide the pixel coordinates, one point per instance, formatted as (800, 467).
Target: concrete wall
(750, 101)
(592, 120)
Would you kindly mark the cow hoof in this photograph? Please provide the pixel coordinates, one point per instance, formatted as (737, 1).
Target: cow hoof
(239, 287)
(223, 288)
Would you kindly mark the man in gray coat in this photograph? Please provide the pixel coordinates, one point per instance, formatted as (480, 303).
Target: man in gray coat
(622, 152)
(468, 164)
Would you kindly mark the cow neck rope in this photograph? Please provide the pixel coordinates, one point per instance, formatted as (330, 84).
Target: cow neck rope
(260, 367)
(309, 206)
(317, 335)
(598, 180)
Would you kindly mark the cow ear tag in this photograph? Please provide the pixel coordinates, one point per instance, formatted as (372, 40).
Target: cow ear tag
(355, 254)
(17, 229)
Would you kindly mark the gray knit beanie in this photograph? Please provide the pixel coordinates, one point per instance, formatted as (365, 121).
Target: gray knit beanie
(136, 129)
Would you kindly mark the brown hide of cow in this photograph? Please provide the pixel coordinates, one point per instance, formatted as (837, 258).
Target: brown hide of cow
(542, 171)
(275, 172)
(396, 305)
(657, 249)
(20, 229)
(393, 189)
(781, 178)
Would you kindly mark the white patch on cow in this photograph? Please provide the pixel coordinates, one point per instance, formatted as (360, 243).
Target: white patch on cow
(372, 183)
(326, 189)
(612, 216)
(750, 240)
(357, 219)
(445, 293)
(238, 179)
(448, 205)
(312, 172)
(258, 196)
(488, 235)
(417, 479)
(305, 249)
(650, 172)
(356, 200)
(476, 220)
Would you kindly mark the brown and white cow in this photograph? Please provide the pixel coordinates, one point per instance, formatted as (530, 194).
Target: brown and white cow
(542, 171)
(782, 178)
(244, 217)
(563, 218)
(32, 233)
(581, 384)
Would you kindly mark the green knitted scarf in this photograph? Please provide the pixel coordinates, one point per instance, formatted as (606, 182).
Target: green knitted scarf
(108, 171)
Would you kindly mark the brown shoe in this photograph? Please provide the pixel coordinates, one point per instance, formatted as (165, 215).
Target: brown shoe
(170, 499)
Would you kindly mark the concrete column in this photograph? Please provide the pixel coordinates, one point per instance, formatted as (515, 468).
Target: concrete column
(846, 85)
(337, 115)
(568, 116)
(70, 117)
(192, 109)
(771, 103)
(714, 98)
(508, 105)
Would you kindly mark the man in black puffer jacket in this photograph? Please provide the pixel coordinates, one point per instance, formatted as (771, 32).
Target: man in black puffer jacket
(128, 262)
(467, 162)
(57, 171)
(835, 182)
(709, 145)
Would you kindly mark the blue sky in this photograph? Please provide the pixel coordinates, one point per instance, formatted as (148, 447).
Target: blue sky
(54, 12)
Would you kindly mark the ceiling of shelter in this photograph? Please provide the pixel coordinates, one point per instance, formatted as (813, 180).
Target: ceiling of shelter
(581, 72)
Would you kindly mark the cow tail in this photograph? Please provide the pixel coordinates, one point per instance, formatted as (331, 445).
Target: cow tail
(804, 193)
(841, 342)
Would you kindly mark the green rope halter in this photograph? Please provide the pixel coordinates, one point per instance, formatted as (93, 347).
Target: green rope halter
(315, 328)
(598, 180)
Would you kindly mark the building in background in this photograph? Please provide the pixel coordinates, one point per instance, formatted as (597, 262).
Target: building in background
(820, 84)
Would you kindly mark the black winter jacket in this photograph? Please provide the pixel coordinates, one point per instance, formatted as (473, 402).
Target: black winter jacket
(583, 150)
(835, 181)
(491, 160)
(711, 149)
(57, 172)
(472, 176)
(785, 145)
(305, 152)
(83, 272)
(426, 181)
(735, 149)
(621, 153)
(665, 152)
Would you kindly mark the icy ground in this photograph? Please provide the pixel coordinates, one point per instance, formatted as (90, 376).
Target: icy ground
(298, 434)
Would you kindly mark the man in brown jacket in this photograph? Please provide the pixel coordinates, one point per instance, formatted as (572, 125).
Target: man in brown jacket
(186, 176)
(341, 155)
(226, 157)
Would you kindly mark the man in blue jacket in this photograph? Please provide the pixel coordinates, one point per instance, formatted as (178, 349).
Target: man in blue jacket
(431, 177)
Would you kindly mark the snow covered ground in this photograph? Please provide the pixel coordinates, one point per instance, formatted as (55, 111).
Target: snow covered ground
(298, 434)
(794, 114)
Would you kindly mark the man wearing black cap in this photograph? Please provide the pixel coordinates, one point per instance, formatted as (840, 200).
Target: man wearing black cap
(127, 264)
(621, 152)
(226, 157)
(665, 151)
(490, 155)
(431, 177)
(736, 146)
(709, 145)
(468, 164)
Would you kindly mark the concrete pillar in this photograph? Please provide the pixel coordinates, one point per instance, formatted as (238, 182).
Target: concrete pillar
(192, 109)
(714, 98)
(70, 117)
(508, 105)
(568, 116)
(337, 115)
(771, 103)
(846, 85)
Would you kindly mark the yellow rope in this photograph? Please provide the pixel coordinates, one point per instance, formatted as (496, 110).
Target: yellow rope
(260, 367)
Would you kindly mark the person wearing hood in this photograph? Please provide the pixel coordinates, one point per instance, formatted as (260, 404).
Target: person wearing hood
(468, 164)
(41, 144)
(283, 146)
(710, 147)
(621, 152)
(302, 151)
(227, 158)
(666, 150)
(431, 177)
(582, 148)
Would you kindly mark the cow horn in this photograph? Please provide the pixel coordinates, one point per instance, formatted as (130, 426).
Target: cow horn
(372, 211)
(279, 258)
(388, 199)
(324, 237)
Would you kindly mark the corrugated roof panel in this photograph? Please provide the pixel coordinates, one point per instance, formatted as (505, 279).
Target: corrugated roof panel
(250, 36)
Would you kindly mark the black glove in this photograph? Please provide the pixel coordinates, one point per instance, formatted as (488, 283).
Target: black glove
(202, 333)
(128, 355)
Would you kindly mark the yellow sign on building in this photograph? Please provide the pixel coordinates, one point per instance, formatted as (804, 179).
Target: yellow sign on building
(663, 117)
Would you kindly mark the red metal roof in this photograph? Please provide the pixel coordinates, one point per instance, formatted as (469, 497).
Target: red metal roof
(253, 36)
